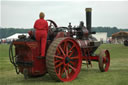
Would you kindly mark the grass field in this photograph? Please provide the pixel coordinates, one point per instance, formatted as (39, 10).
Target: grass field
(117, 74)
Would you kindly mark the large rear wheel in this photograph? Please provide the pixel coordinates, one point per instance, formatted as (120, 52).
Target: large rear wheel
(63, 59)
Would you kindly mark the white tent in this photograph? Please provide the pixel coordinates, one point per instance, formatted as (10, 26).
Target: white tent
(15, 36)
(101, 36)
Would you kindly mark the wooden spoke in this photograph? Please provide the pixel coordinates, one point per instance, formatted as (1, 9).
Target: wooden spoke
(71, 48)
(74, 57)
(71, 62)
(59, 71)
(74, 69)
(68, 69)
(67, 76)
(61, 63)
(71, 54)
(67, 50)
(62, 51)
(58, 51)
(65, 45)
(62, 71)
(60, 57)
(57, 61)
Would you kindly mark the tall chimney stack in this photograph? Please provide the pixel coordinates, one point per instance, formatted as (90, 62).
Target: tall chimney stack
(88, 19)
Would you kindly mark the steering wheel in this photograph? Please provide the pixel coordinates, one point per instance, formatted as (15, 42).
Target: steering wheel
(51, 25)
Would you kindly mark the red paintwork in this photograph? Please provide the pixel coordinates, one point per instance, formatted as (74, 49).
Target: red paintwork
(41, 37)
(106, 60)
(78, 50)
(28, 51)
(92, 58)
(41, 32)
(41, 24)
(71, 68)
(60, 35)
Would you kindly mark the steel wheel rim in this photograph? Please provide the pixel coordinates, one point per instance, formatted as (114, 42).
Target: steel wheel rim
(67, 60)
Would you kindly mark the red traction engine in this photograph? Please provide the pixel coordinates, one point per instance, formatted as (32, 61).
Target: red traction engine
(66, 48)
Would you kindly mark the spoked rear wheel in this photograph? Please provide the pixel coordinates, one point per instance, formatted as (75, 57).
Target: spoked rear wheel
(104, 60)
(63, 59)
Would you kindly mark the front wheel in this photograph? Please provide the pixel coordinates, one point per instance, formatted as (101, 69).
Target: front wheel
(63, 59)
(104, 60)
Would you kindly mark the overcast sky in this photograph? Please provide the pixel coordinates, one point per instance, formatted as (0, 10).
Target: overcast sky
(22, 14)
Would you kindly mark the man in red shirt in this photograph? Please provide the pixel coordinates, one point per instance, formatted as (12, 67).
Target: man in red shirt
(41, 27)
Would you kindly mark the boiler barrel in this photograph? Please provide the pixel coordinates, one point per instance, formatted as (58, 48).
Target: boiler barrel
(88, 19)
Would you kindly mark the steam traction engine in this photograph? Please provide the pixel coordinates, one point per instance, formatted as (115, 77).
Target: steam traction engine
(66, 48)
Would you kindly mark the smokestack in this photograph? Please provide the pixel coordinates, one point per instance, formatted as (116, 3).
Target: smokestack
(88, 19)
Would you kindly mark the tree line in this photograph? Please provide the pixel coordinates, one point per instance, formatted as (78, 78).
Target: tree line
(109, 30)
(5, 32)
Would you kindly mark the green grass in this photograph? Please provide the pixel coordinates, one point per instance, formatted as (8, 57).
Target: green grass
(117, 74)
